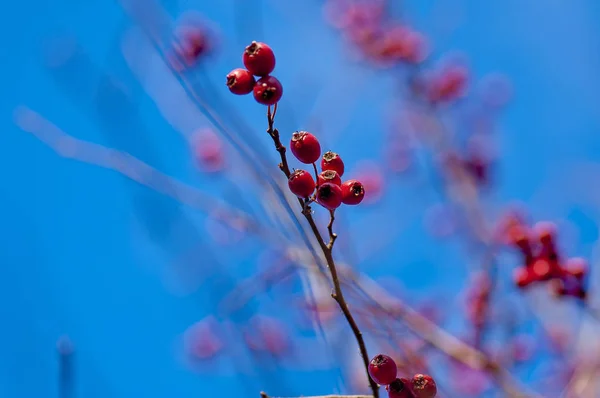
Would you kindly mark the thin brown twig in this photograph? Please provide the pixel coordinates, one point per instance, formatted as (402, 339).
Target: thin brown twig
(337, 293)
(332, 235)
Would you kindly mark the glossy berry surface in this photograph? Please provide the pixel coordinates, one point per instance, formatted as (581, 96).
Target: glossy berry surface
(305, 147)
(240, 81)
(399, 388)
(329, 176)
(259, 59)
(424, 386)
(353, 192)
(332, 161)
(383, 369)
(329, 196)
(268, 90)
(301, 183)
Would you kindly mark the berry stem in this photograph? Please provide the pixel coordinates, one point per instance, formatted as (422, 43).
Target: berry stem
(332, 235)
(337, 293)
(316, 173)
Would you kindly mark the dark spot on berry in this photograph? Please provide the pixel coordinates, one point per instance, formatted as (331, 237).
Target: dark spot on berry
(251, 49)
(357, 190)
(397, 385)
(325, 191)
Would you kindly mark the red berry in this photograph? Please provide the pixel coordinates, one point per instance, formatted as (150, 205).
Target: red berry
(577, 267)
(524, 277)
(545, 231)
(383, 369)
(329, 176)
(301, 183)
(399, 388)
(240, 81)
(332, 161)
(424, 386)
(353, 192)
(329, 196)
(268, 90)
(305, 147)
(259, 59)
(192, 43)
(449, 84)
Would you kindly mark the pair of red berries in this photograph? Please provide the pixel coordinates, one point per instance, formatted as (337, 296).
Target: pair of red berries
(331, 192)
(383, 370)
(259, 60)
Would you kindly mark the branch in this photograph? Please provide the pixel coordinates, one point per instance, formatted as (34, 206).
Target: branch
(332, 235)
(337, 293)
(264, 395)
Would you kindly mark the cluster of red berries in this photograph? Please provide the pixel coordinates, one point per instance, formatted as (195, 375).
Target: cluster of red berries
(542, 262)
(364, 25)
(331, 192)
(259, 60)
(383, 371)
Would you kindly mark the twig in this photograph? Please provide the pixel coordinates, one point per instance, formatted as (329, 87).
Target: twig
(337, 293)
(264, 395)
(332, 235)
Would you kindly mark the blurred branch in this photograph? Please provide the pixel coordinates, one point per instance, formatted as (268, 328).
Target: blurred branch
(264, 395)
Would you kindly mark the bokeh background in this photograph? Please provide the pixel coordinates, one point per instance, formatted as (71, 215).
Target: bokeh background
(124, 271)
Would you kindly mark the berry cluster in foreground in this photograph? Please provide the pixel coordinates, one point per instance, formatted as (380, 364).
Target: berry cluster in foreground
(259, 61)
(383, 370)
(328, 190)
(542, 261)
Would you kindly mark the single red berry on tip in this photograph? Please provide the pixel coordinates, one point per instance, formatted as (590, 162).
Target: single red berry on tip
(353, 192)
(329, 176)
(329, 196)
(399, 388)
(240, 81)
(332, 161)
(301, 183)
(424, 386)
(305, 147)
(268, 90)
(383, 369)
(259, 58)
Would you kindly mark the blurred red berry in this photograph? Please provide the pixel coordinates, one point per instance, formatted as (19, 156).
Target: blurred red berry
(259, 59)
(191, 44)
(383, 369)
(542, 269)
(523, 277)
(332, 161)
(240, 81)
(424, 386)
(449, 84)
(301, 183)
(577, 267)
(353, 192)
(329, 176)
(329, 196)
(268, 90)
(399, 388)
(545, 231)
(305, 147)
(208, 150)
